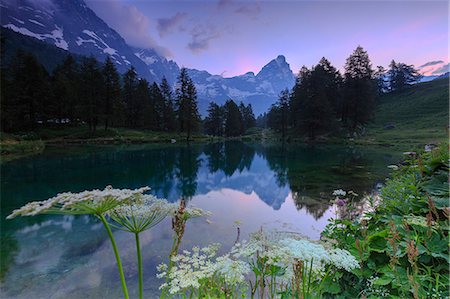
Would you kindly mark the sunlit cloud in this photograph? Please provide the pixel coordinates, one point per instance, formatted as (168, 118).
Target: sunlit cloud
(445, 68)
(431, 63)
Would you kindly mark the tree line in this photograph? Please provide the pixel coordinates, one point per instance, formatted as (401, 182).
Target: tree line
(323, 99)
(229, 119)
(94, 94)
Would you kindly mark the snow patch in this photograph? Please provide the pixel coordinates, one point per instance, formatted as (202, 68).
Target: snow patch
(266, 87)
(18, 21)
(106, 48)
(57, 35)
(35, 22)
(146, 59)
(24, 31)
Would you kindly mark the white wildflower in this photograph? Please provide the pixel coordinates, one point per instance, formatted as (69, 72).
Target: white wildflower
(232, 271)
(86, 202)
(343, 259)
(339, 192)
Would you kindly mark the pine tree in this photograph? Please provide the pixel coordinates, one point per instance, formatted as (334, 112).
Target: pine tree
(316, 99)
(214, 122)
(402, 75)
(112, 102)
(130, 83)
(92, 83)
(144, 111)
(65, 89)
(359, 89)
(28, 94)
(187, 111)
(169, 116)
(233, 119)
(248, 118)
(158, 103)
(380, 78)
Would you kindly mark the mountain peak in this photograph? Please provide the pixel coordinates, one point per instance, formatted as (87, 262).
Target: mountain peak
(281, 59)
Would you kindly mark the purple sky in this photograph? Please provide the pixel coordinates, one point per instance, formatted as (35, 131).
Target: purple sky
(233, 37)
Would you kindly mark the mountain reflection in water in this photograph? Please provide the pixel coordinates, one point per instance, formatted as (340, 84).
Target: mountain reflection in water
(272, 185)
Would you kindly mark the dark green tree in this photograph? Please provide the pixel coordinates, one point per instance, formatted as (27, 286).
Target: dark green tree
(315, 99)
(233, 119)
(248, 118)
(169, 116)
(360, 90)
(402, 75)
(381, 80)
(65, 88)
(113, 106)
(144, 113)
(158, 105)
(27, 98)
(214, 122)
(130, 83)
(91, 92)
(186, 102)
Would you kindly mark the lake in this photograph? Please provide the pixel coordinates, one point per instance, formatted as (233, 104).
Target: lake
(274, 186)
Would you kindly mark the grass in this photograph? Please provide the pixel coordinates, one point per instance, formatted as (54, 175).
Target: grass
(27, 143)
(418, 115)
(12, 146)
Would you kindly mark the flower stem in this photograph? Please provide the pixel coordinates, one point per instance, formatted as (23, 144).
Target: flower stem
(138, 248)
(116, 253)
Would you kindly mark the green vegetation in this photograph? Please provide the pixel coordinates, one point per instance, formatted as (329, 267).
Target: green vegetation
(402, 244)
(15, 146)
(412, 116)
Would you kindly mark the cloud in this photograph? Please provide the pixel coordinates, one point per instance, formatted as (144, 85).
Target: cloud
(251, 9)
(165, 25)
(443, 69)
(129, 22)
(431, 63)
(223, 3)
(201, 37)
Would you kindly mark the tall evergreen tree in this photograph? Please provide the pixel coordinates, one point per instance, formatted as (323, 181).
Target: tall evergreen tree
(28, 94)
(144, 113)
(380, 78)
(316, 98)
(158, 103)
(65, 89)
(233, 119)
(359, 89)
(187, 111)
(248, 118)
(214, 122)
(402, 75)
(112, 103)
(92, 82)
(169, 115)
(130, 83)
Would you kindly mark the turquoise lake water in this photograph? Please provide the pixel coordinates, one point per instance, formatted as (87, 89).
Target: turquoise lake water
(284, 187)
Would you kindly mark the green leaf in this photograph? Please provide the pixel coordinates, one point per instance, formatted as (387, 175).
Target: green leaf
(383, 280)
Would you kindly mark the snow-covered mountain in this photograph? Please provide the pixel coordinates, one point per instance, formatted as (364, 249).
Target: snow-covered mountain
(73, 26)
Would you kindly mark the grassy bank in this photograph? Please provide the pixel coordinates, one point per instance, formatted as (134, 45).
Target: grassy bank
(28, 143)
(15, 146)
(416, 116)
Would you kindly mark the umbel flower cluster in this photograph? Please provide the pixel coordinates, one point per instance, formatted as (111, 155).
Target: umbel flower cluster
(125, 209)
(271, 256)
(86, 202)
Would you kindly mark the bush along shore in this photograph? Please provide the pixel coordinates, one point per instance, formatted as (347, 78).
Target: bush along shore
(397, 247)
(402, 242)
